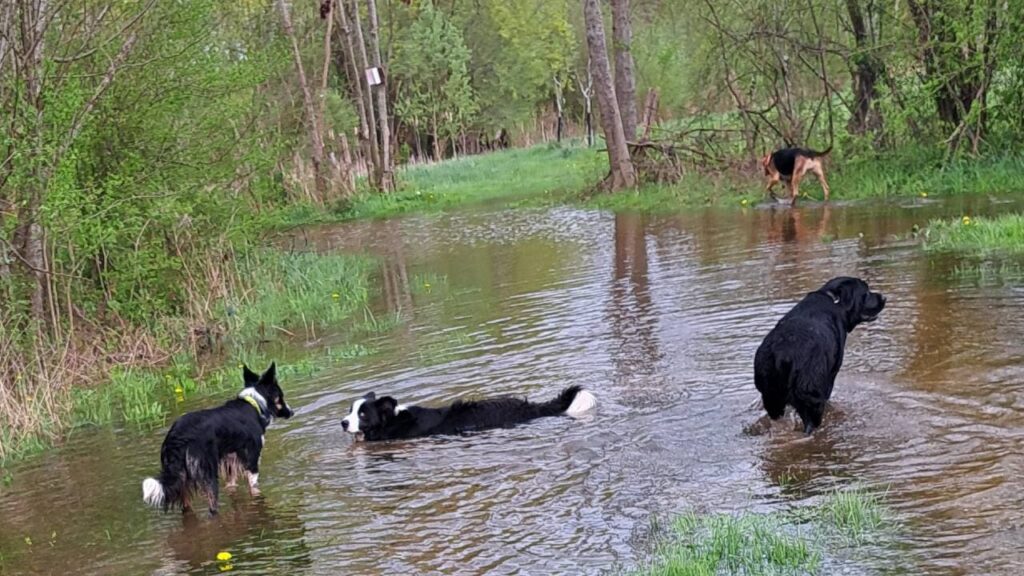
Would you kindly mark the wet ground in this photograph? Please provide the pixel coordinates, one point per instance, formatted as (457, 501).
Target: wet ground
(659, 316)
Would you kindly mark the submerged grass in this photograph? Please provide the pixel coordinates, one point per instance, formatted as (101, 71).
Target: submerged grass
(779, 543)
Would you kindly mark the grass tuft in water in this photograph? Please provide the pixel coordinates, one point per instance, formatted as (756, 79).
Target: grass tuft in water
(749, 544)
(857, 513)
(792, 542)
(977, 236)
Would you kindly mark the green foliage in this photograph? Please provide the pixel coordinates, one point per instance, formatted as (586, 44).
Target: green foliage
(432, 62)
(519, 47)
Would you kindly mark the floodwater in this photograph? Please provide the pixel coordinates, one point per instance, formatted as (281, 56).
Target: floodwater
(659, 316)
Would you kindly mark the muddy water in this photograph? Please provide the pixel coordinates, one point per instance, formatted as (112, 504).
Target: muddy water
(660, 317)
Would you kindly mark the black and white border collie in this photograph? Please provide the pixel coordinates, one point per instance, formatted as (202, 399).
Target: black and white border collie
(384, 418)
(202, 446)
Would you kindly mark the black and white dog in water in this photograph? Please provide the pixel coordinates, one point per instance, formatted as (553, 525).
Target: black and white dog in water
(798, 360)
(384, 418)
(202, 446)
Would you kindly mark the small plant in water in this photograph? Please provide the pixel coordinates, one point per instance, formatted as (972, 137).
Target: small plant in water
(855, 513)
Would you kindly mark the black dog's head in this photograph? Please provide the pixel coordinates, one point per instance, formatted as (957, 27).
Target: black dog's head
(858, 302)
(267, 387)
(370, 415)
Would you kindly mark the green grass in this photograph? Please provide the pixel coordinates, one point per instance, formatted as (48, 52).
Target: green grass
(544, 171)
(132, 397)
(917, 173)
(1001, 235)
(914, 175)
(779, 543)
(750, 544)
(292, 290)
(548, 174)
(856, 514)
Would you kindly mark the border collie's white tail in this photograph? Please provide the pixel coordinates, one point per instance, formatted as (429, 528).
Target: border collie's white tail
(582, 403)
(152, 492)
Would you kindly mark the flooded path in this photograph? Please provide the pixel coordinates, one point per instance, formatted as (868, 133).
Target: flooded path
(660, 317)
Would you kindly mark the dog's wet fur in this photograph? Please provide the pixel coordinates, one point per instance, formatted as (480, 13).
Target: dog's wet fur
(201, 447)
(373, 418)
(799, 359)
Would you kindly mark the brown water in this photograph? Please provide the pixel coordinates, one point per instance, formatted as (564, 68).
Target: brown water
(660, 317)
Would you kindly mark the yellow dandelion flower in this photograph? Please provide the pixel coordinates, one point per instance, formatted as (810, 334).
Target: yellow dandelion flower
(223, 556)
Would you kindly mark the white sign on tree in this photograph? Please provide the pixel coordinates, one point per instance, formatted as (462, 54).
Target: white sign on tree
(373, 76)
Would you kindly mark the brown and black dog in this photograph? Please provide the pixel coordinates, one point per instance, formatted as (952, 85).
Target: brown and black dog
(790, 165)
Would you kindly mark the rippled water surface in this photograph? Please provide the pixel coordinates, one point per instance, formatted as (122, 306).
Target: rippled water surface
(660, 317)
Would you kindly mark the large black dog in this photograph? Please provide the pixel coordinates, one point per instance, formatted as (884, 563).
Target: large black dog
(798, 360)
(201, 446)
(384, 418)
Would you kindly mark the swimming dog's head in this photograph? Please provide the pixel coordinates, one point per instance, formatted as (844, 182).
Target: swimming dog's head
(370, 415)
(267, 387)
(859, 303)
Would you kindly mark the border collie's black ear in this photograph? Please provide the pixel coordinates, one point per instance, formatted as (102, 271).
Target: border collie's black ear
(370, 396)
(271, 374)
(387, 404)
(249, 376)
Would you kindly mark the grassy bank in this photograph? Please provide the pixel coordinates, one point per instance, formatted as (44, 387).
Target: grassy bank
(537, 174)
(266, 296)
(551, 175)
(796, 542)
(915, 175)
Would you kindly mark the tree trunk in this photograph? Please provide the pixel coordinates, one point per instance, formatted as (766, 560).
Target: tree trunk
(587, 90)
(355, 81)
(437, 140)
(867, 70)
(315, 134)
(363, 64)
(386, 163)
(622, 174)
(944, 56)
(336, 168)
(417, 143)
(625, 77)
(559, 105)
(650, 113)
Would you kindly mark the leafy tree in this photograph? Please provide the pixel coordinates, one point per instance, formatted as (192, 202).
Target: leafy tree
(431, 63)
